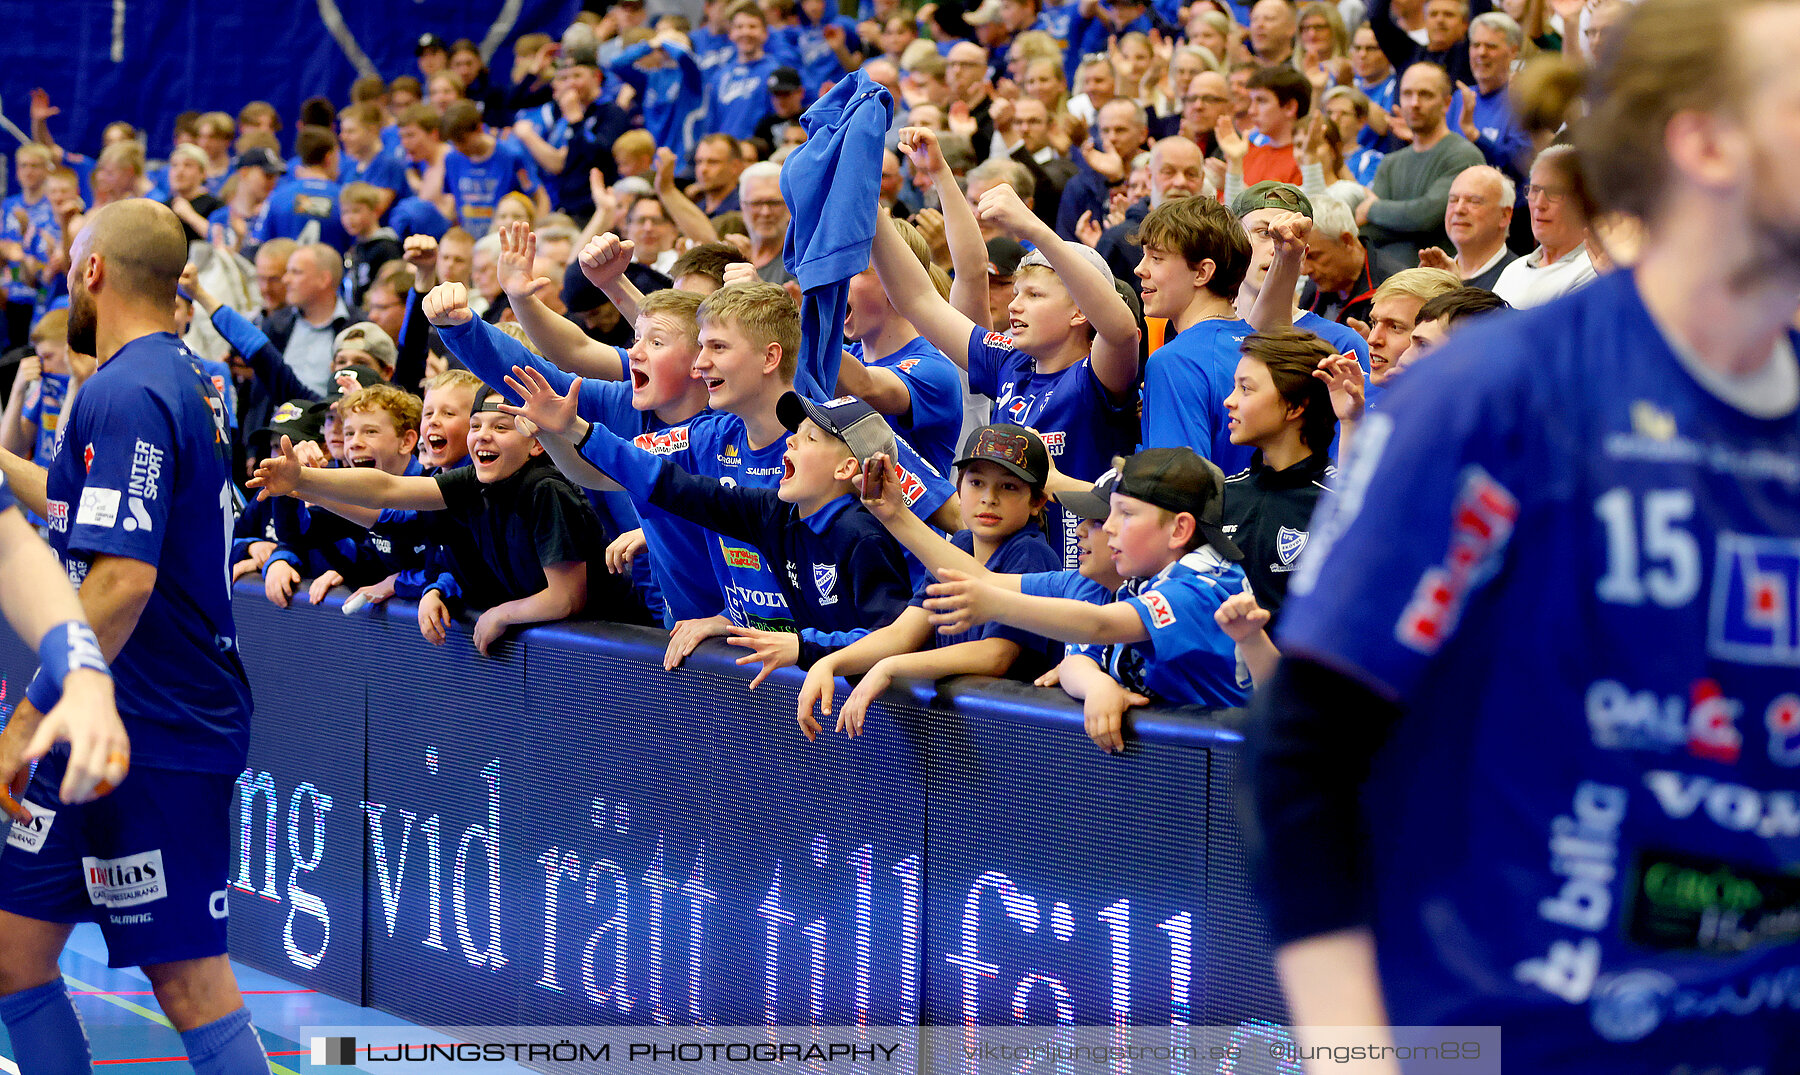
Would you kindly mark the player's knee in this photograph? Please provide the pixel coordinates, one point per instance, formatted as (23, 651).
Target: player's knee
(195, 992)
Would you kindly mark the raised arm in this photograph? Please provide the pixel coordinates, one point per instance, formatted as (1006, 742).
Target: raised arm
(1275, 302)
(559, 338)
(604, 259)
(1116, 338)
(688, 217)
(909, 289)
(282, 475)
(881, 495)
(968, 252)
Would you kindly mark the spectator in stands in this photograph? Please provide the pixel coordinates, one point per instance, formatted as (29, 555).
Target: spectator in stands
(787, 99)
(648, 226)
(385, 301)
(257, 116)
(431, 54)
(372, 246)
(303, 330)
(737, 94)
(1375, 76)
(1208, 98)
(403, 93)
(668, 81)
(1393, 313)
(1442, 314)
(480, 169)
(1478, 220)
(364, 159)
(472, 71)
(1322, 45)
(1095, 83)
(717, 165)
(1560, 263)
(303, 206)
(766, 219)
(271, 272)
(1123, 132)
(1342, 274)
(1446, 38)
(188, 196)
(966, 75)
(1177, 170)
(1279, 98)
(1275, 267)
(1282, 410)
(1000, 485)
(1404, 211)
(1273, 26)
(580, 138)
(213, 133)
(1350, 112)
(1488, 121)
(827, 43)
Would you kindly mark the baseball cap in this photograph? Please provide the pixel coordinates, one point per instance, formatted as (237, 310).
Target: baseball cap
(298, 419)
(427, 42)
(258, 157)
(1036, 257)
(371, 338)
(986, 13)
(1015, 448)
(784, 80)
(1179, 479)
(1271, 194)
(847, 418)
(1004, 255)
(351, 378)
(1094, 503)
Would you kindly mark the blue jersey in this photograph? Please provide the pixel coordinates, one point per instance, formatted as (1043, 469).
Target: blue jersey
(1082, 424)
(934, 421)
(6, 497)
(673, 99)
(676, 546)
(306, 211)
(1342, 338)
(39, 218)
(144, 472)
(44, 408)
(1074, 586)
(478, 186)
(1024, 553)
(1186, 381)
(819, 62)
(737, 95)
(1575, 571)
(711, 50)
(384, 170)
(1188, 658)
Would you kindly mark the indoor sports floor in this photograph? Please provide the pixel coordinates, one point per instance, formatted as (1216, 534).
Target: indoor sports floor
(129, 1035)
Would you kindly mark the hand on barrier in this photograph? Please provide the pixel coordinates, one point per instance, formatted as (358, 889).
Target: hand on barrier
(774, 649)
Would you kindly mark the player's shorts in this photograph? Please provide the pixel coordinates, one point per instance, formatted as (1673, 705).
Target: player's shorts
(150, 862)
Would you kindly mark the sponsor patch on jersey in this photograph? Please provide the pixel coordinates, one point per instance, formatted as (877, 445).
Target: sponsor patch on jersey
(1687, 902)
(1753, 618)
(911, 487)
(1054, 441)
(663, 441)
(99, 507)
(825, 577)
(29, 836)
(125, 882)
(744, 558)
(999, 339)
(56, 513)
(906, 365)
(1783, 722)
(1162, 614)
(1481, 523)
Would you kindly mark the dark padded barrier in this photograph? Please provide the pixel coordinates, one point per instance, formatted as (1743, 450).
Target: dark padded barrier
(668, 848)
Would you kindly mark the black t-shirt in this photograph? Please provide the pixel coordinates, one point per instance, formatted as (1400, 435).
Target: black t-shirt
(499, 536)
(1267, 513)
(204, 204)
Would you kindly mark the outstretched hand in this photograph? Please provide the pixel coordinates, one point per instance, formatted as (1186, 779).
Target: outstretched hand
(958, 602)
(518, 256)
(879, 486)
(550, 412)
(278, 475)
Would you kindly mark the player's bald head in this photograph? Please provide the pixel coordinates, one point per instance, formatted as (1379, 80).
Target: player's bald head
(141, 245)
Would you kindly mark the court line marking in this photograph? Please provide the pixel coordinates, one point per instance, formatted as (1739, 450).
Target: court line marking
(154, 1016)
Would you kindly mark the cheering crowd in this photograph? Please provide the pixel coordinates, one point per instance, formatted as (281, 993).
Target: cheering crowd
(524, 342)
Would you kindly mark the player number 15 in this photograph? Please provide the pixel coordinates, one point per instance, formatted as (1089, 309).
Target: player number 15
(1660, 559)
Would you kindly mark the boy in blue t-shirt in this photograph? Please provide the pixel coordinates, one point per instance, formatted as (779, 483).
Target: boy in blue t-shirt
(304, 206)
(737, 92)
(21, 215)
(479, 169)
(1165, 536)
(1067, 368)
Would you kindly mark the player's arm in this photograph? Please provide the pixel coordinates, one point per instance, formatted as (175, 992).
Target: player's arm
(881, 495)
(70, 699)
(968, 251)
(282, 475)
(26, 479)
(909, 289)
(958, 602)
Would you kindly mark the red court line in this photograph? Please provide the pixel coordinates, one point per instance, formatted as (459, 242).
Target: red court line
(174, 1059)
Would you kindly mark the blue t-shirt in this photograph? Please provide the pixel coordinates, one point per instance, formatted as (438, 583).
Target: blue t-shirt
(737, 95)
(818, 61)
(1575, 571)
(43, 408)
(1188, 658)
(144, 472)
(1026, 553)
(1342, 338)
(306, 211)
(384, 170)
(934, 421)
(41, 219)
(1070, 585)
(6, 497)
(1082, 424)
(1186, 381)
(478, 186)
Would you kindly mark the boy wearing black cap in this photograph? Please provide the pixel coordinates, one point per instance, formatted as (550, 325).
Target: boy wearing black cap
(515, 533)
(841, 574)
(254, 538)
(1164, 534)
(1000, 482)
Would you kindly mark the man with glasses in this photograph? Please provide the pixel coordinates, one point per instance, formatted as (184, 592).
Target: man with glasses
(652, 234)
(1560, 263)
(765, 218)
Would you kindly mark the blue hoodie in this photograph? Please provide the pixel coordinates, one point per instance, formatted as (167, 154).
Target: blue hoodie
(833, 210)
(674, 98)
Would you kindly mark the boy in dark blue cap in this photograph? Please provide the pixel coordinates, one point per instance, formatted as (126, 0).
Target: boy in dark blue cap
(841, 573)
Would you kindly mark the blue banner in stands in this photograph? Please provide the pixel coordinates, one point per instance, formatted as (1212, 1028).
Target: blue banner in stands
(565, 834)
(144, 62)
